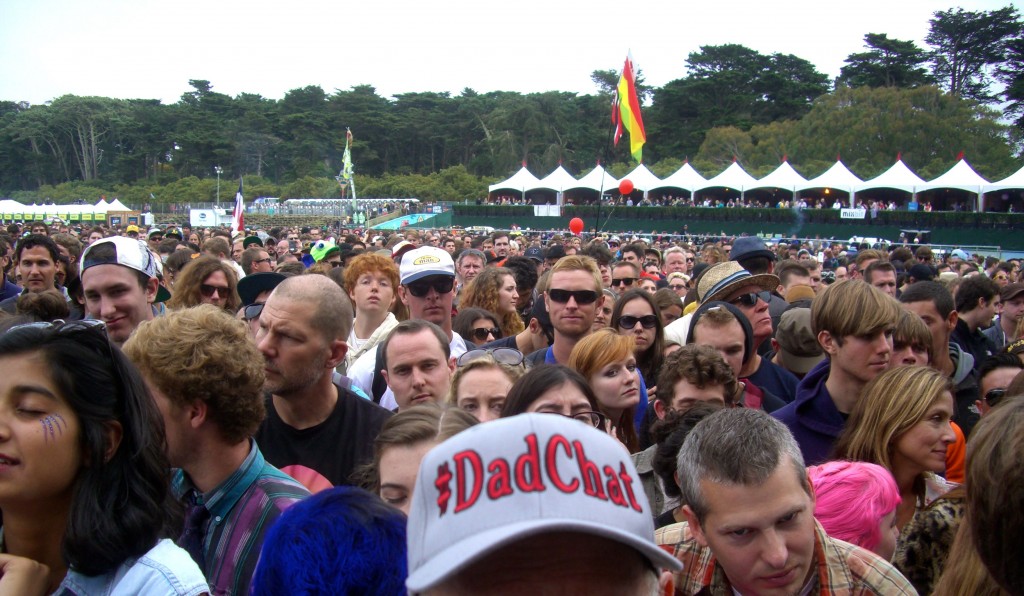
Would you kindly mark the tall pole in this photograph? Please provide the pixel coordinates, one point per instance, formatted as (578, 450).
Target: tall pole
(219, 170)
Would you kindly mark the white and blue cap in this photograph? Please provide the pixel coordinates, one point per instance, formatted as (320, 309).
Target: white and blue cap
(425, 261)
(127, 252)
(961, 254)
(498, 483)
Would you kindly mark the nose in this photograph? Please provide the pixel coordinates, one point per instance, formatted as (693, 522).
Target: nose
(948, 436)
(775, 552)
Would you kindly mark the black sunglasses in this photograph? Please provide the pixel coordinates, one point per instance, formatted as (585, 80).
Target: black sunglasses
(994, 396)
(482, 333)
(624, 281)
(646, 321)
(581, 296)
(509, 356)
(253, 311)
(208, 290)
(752, 298)
(441, 285)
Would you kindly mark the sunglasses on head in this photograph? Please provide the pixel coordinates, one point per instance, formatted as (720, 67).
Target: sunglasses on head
(581, 296)
(994, 396)
(252, 311)
(441, 285)
(646, 321)
(208, 290)
(509, 356)
(752, 298)
(481, 333)
(624, 281)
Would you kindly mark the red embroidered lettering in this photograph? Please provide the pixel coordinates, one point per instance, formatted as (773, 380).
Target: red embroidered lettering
(444, 491)
(528, 477)
(627, 484)
(462, 501)
(591, 475)
(499, 484)
(551, 463)
(614, 490)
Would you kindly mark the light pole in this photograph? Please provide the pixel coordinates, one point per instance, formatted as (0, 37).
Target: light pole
(219, 170)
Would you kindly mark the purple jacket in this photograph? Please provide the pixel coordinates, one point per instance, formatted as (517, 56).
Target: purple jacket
(813, 417)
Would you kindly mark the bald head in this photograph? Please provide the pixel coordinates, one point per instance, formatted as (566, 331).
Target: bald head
(329, 308)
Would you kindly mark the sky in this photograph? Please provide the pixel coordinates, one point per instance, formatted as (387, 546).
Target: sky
(150, 49)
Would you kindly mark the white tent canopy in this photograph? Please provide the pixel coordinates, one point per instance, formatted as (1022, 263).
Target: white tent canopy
(685, 178)
(838, 177)
(117, 205)
(784, 177)
(961, 176)
(898, 176)
(1014, 180)
(733, 176)
(643, 179)
(593, 180)
(521, 181)
(558, 180)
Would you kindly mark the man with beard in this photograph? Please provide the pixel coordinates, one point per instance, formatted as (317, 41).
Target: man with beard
(315, 431)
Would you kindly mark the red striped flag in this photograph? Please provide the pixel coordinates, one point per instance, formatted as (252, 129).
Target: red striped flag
(626, 111)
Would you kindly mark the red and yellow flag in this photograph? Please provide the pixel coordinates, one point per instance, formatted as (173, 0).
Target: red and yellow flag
(626, 111)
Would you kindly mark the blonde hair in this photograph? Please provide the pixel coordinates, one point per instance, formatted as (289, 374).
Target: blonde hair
(594, 352)
(484, 362)
(853, 307)
(483, 292)
(890, 405)
(578, 263)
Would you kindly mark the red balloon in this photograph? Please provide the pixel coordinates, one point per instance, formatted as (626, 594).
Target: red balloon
(576, 225)
(626, 186)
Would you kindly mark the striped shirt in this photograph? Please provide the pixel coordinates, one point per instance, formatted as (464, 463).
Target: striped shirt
(242, 509)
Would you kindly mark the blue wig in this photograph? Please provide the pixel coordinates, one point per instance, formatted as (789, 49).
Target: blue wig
(340, 541)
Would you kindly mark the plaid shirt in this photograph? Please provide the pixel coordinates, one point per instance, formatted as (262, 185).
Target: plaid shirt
(842, 568)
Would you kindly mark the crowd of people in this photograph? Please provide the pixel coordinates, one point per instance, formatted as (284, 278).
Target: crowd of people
(187, 411)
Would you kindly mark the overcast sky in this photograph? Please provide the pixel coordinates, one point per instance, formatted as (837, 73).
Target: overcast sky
(150, 49)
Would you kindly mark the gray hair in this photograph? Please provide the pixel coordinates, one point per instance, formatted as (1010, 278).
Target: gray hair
(472, 252)
(738, 446)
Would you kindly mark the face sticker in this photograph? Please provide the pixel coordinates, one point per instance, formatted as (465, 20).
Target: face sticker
(53, 425)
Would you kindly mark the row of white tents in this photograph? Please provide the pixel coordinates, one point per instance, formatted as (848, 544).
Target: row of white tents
(13, 210)
(961, 176)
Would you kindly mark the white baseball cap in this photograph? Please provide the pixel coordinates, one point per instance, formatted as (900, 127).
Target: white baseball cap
(497, 483)
(423, 262)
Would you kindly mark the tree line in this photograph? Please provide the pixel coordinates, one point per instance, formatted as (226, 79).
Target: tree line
(930, 104)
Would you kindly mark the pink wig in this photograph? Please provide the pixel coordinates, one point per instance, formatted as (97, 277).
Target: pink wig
(851, 498)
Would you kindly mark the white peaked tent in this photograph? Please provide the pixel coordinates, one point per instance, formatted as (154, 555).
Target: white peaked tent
(962, 177)
(117, 205)
(558, 181)
(784, 177)
(685, 178)
(898, 176)
(838, 177)
(594, 179)
(1014, 180)
(101, 206)
(643, 179)
(733, 176)
(520, 181)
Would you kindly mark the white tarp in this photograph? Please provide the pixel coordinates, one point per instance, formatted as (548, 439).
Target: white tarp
(961, 176)
(784, 177)
(117, 205)
(521, 181)
(643, 179)
(558, 180)
(685, 178)
(898, 176)
(838, 177)
(734, 177)
(594, 178)
(1014, 180)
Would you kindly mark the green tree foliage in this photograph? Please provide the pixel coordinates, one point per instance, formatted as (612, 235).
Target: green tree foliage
(967, 45)
(887, 63)
(1011, 74)
(730, 85)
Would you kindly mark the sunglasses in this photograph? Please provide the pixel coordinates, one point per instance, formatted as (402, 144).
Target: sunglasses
(752, 298)
(646, 321)
(994, 396)
(624, 281)
(677, 287)
(252, 311)
(441, 285)
(266, 260)
(482, 333)
(581, 296)
(509, 356)
(335, 264)
(208, 291)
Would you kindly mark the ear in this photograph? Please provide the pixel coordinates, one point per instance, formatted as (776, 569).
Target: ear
(384, 373)
(695, 529)
(338, 350)
(659, 409)
(114, 432)
(954, 316)
(827, 342)
(452, 366)
(151, 288)
(666, 584)
(775, 345)
(403, 295)
(197, 411)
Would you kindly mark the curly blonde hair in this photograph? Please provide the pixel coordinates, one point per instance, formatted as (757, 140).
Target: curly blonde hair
(482, 292)
(203, 353)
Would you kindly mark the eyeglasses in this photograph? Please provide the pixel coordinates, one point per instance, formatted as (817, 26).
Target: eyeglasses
(581, 296)
(156, 238)
(509, 356)
(266, 260)
(689, 259)
(481, 333)
(677, 287)
(252, 311)
(595, 419)
(441, 285)
(624, 281)
(994, 396)
(752, 298)
(208, 291)
(646, 321)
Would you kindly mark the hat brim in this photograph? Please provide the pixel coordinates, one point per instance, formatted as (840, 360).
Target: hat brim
(252, 285)
(162, 294)
(799, 364)
(442, 565)
(418, 275)
(766, 281)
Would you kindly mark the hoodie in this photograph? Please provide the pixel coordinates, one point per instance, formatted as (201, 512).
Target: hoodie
(813, 417)
(965, 390)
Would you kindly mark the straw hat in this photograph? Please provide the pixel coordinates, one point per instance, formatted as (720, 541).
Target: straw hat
(724, 278)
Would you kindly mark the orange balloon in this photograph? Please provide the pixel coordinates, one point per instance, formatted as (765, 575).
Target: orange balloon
(576, 225)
